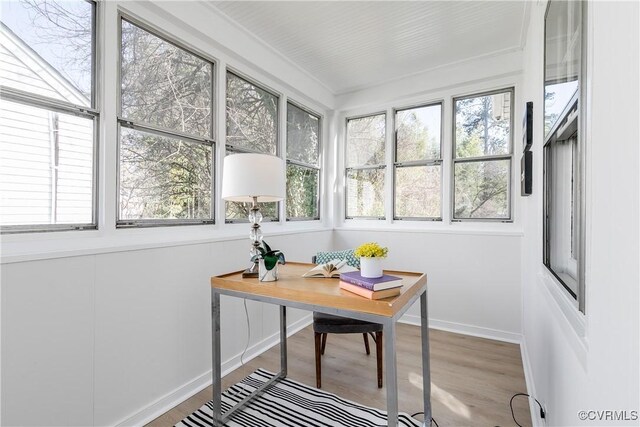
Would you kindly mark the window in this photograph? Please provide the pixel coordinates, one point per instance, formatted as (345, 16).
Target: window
(482, 156)
(418, 163)
(303, 164)
(49, 116)
(252, 126)
(166, 142)
(365, 169)
(564, 150)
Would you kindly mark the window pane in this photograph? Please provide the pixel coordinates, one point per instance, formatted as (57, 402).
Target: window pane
(365, 141)
(163, 85)
(418, 133)
(239, 212)
(562, 57)
(418, 191)
(46, 166)
(303, 130)
(562, 202)
(482, 189)
(483, 125)
(48, 48)
(163, 178)
(252, 116)
(302, 192)
(365, 193)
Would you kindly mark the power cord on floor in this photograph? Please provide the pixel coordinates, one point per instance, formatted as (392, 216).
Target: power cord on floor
(433, 420)
(542, 412)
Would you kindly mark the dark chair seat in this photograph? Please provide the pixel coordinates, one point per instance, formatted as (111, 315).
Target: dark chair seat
(324, 324)
(330, 324)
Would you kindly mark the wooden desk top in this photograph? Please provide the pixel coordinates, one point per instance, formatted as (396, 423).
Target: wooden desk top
(291, 286)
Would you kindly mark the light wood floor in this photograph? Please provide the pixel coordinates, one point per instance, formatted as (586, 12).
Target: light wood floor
(472, 378)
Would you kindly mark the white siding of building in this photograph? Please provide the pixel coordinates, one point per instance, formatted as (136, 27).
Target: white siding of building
(46, 158)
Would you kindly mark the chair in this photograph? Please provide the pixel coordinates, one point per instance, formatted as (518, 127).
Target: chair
(324, 324)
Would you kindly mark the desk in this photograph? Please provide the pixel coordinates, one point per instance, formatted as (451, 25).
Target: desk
(325, 296)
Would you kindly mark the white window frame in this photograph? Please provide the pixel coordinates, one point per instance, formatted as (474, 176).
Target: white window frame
(298, 163)
(89, 112)
(423, 162)
(232, 149)
(578, 103)
(347, 168)
(123, 122)
(509, 156)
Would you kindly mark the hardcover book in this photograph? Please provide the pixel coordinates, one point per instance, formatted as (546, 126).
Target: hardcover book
(331, 269)
(374, 295)
(377, 284)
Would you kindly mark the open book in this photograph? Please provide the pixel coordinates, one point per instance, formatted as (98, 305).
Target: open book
(331, 269)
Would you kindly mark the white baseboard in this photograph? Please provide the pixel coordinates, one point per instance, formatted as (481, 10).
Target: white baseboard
(461, 328)
(184, 392)
(531, 387)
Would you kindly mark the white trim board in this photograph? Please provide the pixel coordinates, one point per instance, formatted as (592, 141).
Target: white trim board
(461, 328)
(531, 387)
(184, 392)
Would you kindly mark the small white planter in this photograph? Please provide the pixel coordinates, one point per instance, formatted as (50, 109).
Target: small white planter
(371, 267)
(265, 275)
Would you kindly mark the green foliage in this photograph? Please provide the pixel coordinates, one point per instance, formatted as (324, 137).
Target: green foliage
(163, 177)
(302, 192)
(482, 129)
(270, 256)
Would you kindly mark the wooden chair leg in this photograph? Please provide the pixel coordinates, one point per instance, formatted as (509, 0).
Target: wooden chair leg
(379, 357)
(318, 339)
(366, 343)
(324, 342)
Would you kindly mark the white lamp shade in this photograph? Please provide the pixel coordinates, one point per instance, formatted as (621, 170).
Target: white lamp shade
(249, 175)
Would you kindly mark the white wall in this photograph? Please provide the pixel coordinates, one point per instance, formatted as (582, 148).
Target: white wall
(474, 278)
(589, 362)
(473, 267)
(98, 339)
(112, 325)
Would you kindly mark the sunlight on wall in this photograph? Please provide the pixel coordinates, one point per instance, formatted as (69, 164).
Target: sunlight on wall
(443, 396)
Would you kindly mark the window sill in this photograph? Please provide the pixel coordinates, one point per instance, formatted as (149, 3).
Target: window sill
(487, 229)
(41, 246)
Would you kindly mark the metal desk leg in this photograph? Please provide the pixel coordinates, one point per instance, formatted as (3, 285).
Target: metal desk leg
(389, 328)
(215, 358)
(426, 370)
(283, 340)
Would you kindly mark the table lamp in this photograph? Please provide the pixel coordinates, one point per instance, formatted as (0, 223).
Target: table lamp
(253, 178)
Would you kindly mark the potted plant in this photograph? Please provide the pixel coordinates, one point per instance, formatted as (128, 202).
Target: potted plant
(268, 260)
(371, 255)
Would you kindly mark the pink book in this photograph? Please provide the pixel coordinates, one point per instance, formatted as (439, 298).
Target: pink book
(386, 293)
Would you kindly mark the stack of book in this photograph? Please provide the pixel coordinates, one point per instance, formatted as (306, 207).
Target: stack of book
(378, 288)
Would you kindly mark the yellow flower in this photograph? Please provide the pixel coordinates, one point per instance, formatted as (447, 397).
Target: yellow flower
(371, 250)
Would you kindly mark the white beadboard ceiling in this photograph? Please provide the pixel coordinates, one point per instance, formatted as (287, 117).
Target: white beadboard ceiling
(349, 45)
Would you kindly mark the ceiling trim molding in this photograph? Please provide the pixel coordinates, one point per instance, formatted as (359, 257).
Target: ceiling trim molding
(267, 46)
(495, 54)
(526, 18)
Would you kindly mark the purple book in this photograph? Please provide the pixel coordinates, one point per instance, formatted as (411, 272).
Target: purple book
(377, 284)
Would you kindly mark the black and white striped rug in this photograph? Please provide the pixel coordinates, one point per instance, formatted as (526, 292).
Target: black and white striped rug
(289, 403)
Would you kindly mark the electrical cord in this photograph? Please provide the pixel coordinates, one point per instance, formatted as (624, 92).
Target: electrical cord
(433, 420)
(513, 415)
(246, 347)
(246, 313)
